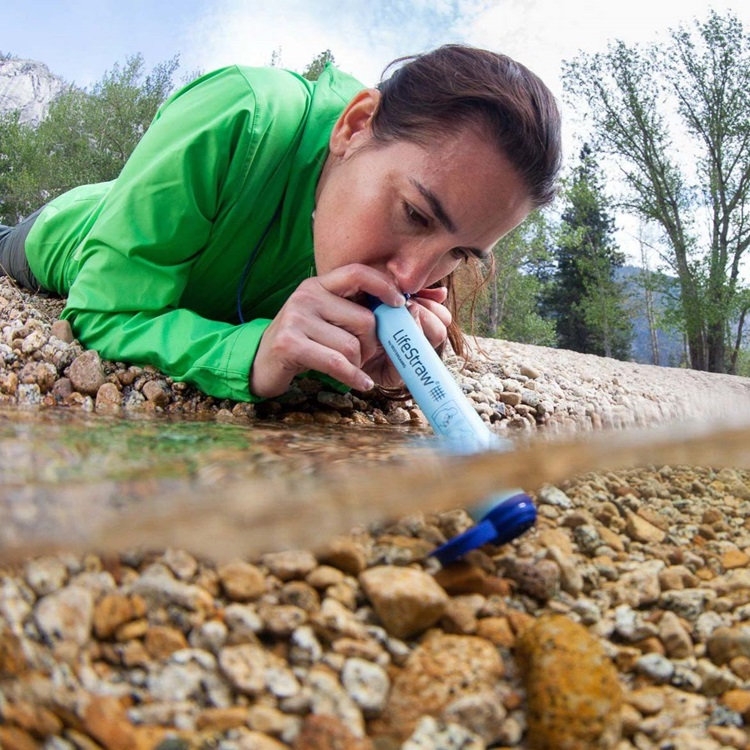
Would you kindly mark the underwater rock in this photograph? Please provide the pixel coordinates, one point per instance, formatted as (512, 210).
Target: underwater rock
(574, 699)
(442, 669)
(407, 600)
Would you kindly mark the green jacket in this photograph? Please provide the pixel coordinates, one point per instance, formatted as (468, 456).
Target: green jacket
(152, 261)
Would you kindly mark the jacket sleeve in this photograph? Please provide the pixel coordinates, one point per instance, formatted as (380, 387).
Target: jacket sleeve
(156, 219)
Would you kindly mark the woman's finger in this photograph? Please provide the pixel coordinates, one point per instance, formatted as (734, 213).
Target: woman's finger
(355, 279)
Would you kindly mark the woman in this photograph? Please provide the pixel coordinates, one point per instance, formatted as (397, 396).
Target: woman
(236, 244)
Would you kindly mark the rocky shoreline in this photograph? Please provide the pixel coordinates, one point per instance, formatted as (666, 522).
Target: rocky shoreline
(619, 621)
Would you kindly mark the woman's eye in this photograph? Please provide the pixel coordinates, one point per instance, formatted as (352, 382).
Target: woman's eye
(415, 217)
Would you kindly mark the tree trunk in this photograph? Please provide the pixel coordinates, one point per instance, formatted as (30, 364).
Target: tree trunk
(716, 346)
(737, 342)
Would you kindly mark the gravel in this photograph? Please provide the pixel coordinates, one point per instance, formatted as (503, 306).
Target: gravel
(620, 621)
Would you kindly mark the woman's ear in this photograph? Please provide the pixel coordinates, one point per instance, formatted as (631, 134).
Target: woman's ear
(354, 124)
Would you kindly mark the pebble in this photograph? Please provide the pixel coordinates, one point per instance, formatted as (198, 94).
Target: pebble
(86, 373)
(573, 693)
(61, 329)
(108, 398)
(726, 643)
(111, 612)
(550, 495)
(65, 615)
(431, 733)
(407, 600)
(45, 574)
(675, 637)
(657, 667)
(640, 586)
(242, 581)
(325, 732)
(441, 668)
(539, 579)
(248, 666)
(290, 564)
(641, 530)
(368, 685)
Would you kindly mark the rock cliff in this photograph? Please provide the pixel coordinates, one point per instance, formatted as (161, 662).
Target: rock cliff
(29, 87)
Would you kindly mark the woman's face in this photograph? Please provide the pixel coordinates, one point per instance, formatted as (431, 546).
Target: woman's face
(415, 212)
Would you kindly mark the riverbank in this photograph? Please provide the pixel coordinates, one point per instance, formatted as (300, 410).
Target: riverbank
(619, 621)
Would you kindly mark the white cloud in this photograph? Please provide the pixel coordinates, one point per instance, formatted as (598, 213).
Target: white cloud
(364, 36)
(543, 33)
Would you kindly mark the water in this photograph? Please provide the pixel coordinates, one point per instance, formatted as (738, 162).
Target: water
(65, 474)
(75, 482)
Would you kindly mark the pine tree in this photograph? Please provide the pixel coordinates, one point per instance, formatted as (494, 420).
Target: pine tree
(587, 303)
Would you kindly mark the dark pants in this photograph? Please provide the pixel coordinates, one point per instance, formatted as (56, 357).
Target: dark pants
(13, 261)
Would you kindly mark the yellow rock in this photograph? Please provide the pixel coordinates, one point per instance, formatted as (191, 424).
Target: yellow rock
(441, 669)
(734, 558)
(739, 701)
(574, 699)
(13, 661)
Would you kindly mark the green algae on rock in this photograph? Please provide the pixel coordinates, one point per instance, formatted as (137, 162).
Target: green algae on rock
(574, 699)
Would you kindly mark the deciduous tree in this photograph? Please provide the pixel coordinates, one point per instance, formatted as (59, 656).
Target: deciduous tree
(675, 117)
(317, 65)
(508, 306)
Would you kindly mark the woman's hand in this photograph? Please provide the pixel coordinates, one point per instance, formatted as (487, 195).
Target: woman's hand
(321, 327)
(431, 315)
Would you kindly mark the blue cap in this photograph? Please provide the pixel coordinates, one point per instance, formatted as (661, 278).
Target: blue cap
(502, 523)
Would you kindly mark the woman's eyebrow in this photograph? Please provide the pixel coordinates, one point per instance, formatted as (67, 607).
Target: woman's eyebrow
(442, 216)
(437, 207)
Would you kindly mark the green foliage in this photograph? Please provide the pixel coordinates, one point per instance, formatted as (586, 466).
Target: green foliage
(743, 363)
(508, 305)
(127, 99)
(588, 305)
(740, 363)
(86, 137)
(317, 65)
(674, 116)
(18, 184)
(522, 321)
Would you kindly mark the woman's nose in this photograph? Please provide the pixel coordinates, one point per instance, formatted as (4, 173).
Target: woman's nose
(410, 277)
(415, 268)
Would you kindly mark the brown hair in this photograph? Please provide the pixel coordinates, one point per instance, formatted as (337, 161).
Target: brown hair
(436, 93)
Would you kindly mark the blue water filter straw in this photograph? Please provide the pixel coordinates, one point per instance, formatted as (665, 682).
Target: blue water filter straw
(502, 517)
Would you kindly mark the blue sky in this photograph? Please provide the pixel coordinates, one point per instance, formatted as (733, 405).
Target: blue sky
(81, 39)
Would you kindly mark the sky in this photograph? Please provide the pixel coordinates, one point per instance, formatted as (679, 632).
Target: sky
(79, 40)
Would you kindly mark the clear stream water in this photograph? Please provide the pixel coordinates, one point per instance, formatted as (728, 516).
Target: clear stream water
(64, 473)
(89, 482)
